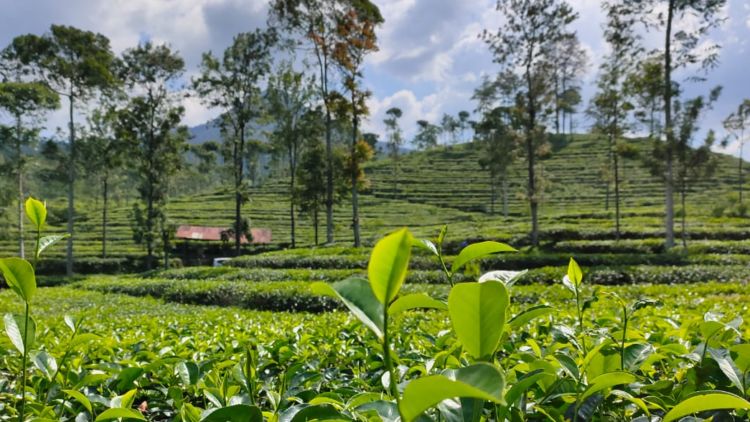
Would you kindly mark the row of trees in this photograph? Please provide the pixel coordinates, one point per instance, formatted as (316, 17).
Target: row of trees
(538, 87)
(132, 106)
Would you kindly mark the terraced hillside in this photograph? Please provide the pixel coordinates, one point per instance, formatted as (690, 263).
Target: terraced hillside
(447, 186)
(451, 177)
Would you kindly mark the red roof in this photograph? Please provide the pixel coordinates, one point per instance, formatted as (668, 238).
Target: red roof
(214, 233)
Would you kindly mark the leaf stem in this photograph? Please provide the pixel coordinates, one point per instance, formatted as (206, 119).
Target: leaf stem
(393, 381)
(23, 362)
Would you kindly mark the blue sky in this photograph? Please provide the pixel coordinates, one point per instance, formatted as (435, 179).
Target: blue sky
(430, 57)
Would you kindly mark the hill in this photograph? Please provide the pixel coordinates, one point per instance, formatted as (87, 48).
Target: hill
(446, 185)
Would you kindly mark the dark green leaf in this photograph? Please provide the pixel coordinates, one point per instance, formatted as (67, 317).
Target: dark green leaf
(359, 298)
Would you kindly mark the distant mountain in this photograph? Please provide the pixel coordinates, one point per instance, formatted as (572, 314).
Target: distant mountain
(208, 131)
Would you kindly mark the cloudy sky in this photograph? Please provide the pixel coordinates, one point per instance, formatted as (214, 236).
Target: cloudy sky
(430, 57)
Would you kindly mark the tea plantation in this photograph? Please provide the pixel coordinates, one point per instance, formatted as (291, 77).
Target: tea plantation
(400, 329)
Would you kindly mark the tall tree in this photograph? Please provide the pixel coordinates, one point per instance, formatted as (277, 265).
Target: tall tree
(525, 44)
(103, 153)
(289, 96)
(151, 125)
(427, 135)
(395, 141)
(735, 124)
(463, 124)
(449, 127)
(311, 189)
(693, 163)
(73, 63)
(682, 48)
(232, 84)
(611, 105)
(568, 66)
(645, 84)
(355, 39)
(314, 23)
(25, 102)
(497, 141)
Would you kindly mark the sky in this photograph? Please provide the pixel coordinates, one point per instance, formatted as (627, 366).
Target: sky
(430, 59)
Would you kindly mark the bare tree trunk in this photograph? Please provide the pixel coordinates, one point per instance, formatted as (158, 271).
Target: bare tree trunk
(492, 195)
(19, 175)
(617, 197)
(71, 188)
(668, 182)
(355, 170)
(315, 225)
(105, 198)
(292, 167)
(505, 196)
(239, 150)
(530, 152)
(329, 179)
(740, 171)
(683, 194)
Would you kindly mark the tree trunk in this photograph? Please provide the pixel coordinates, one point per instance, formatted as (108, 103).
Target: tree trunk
(292, 168)
(315, 225)
(150, 227)
(71, 187)
(355, 171)
(492, 194)
(683, 194)
(395, 171)
(239, 150)
(505, 196)
(19, 175)
(165, 243)
(606, 179)
(668, 182)
(617, 197)
(530, 126)
(105, 198)
(740, 171)
(329, 179)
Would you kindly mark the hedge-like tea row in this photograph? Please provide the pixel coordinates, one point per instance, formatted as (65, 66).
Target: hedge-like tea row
(92, 265)
(281, 296)
(644, 275)
(293, 274)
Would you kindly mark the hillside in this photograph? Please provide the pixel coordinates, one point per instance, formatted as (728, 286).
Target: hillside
(447, 186)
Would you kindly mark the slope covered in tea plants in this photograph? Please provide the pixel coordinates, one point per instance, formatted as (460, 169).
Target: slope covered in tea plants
(446, 185)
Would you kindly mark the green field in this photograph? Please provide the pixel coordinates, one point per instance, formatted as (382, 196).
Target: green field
(181, 359)
(258, 339)
(573, 218)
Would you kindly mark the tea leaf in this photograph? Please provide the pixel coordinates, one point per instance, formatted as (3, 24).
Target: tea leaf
(45, 363)
(706, 400)
(608, 380)
(14, 327)
(236, 413)
(358, 296)
(415, 301)
(526, 316)
(19, 274)
(117, 413)
(507, 277)
(477, 312)
(574, 273)
(388, 264)
(477, 251)
(482, 381)
(47, 241)
(80, 398)
(36, 211)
